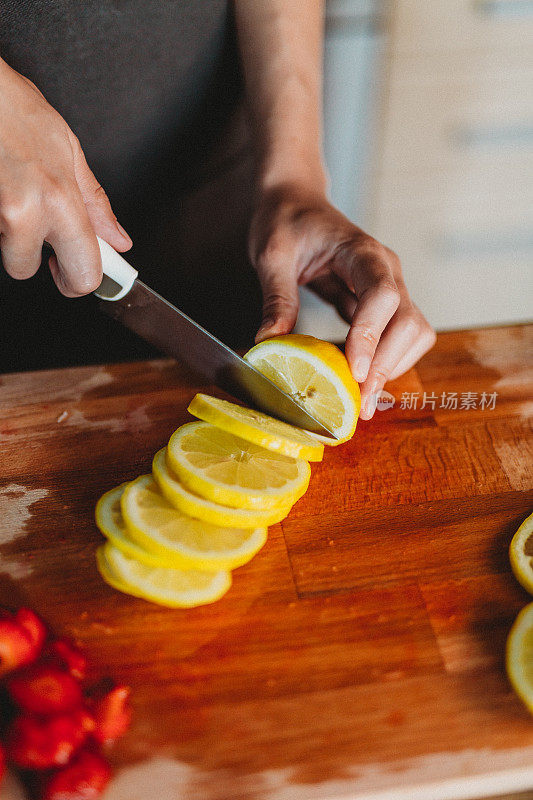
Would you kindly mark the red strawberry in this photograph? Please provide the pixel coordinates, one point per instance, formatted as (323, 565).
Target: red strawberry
(34, 743)
(71, 656)
(112, 715)
(16, 648)
(2, 763)
(45, 689)
(84, 778)
(34, 627)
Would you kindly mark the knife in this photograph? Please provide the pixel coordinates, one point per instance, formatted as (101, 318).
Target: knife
(127, 299)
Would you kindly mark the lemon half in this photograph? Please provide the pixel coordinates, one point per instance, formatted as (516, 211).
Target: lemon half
(316, 374)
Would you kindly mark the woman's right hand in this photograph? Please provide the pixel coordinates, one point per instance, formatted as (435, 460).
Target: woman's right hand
(48, 193)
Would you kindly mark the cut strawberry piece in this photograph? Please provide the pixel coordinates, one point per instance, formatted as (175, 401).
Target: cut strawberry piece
(16, 648)
(2, 762)
(85, 720)
(45, 689)
(34, 743)
(71, 656)
(112, 715)
(34, 627)
(83, 779)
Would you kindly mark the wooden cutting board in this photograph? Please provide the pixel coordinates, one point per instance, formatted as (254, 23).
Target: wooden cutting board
(361, 653)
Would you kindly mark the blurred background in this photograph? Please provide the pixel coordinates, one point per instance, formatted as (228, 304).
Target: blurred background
(428, 110)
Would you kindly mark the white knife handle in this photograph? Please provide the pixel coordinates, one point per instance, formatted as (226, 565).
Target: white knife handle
(118, 274)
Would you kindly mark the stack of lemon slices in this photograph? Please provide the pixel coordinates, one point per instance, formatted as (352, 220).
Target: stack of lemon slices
(174, 536)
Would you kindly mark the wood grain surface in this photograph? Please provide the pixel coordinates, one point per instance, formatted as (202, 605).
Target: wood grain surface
(360, 654)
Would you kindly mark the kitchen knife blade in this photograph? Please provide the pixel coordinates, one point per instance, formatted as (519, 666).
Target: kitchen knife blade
(127, 299)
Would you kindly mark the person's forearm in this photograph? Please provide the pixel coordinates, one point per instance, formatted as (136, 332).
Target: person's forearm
(281, 50)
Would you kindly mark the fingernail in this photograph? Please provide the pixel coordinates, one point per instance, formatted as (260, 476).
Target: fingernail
(371, 401)
(266, 324)
(122, 231)
(360, 368)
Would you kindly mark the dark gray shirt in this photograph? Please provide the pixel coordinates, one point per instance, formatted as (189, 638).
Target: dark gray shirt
(148, 86)
(138, 81)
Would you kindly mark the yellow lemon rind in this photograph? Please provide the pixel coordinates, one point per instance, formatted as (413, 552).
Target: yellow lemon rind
(120, 538)
(229, 417)
(183, 557)
(514, 656)
(214, 513)
(220, 584)
(329, 361)
(108, 575)
(232, 496)
(521, 564)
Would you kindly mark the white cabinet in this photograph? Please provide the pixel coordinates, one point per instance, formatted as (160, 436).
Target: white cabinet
(453, 188)
(429, 144)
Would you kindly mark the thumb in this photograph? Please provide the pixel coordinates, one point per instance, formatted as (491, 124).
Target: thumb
(280, 301)
(97, 203)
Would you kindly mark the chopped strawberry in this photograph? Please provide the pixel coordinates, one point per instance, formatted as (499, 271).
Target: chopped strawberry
(45, 689)
(34, 627)
(112, 715)
(2, 763)
(34, 743)
(85, 719)
(16, 648)
(84, 778)
(71, 656)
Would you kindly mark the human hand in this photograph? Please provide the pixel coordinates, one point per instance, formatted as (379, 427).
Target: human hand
(299, 238)
(48, 193)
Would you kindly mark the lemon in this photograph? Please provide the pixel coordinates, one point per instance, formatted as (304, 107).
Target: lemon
(183, 541)
(111, 523)
(521, 554)
(316, 374)
(519, 656)
(233, 472)
(195, 506)
(175, 588)
(256, 427)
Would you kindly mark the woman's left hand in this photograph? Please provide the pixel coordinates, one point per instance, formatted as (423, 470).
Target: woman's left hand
(299, 238)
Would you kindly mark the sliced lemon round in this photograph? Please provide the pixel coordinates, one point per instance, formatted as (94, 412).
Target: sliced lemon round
(195, 506)
(107, 573)
(183, 541)
(519, 656)
(521, 554)
(233, 472)
(256, 427)
(175, 588)
(111, 523)
(317, 375)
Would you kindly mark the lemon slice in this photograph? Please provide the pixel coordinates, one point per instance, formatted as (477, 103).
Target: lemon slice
(111, 523)
(519, 656)
(256, 427)
(157, 526)
(226, 469)
(317, 375)
(175, 588)
(521, 554)
(195, 506)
